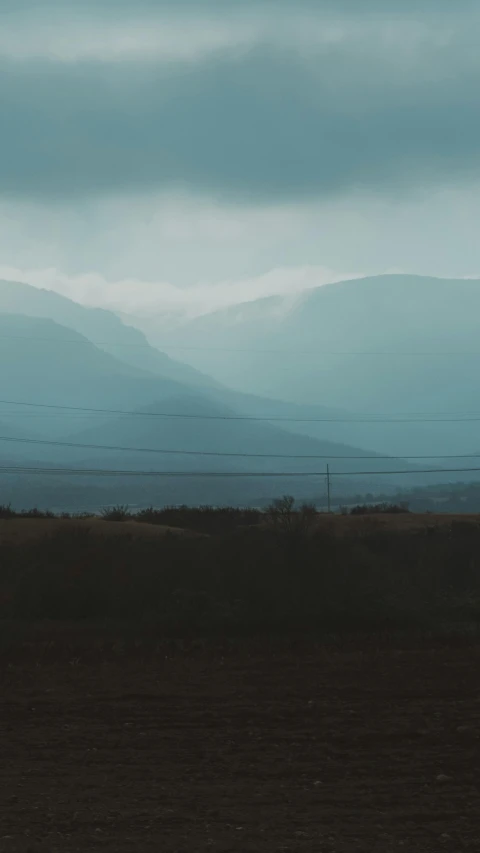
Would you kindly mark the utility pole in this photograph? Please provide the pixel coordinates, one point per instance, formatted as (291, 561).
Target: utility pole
(328, 489)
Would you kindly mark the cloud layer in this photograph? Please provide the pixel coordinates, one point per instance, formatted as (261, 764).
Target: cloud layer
(250, 106)
(144, 298)
(193, 153)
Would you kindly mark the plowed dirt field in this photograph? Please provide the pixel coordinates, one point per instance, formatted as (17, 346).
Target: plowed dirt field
(252, 750)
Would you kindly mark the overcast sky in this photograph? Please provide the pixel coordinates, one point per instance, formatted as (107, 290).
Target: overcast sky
(174, 153)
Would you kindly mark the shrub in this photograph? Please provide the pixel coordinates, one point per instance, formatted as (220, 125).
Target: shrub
(203, 519)
(284, 518)
(379, 509)
(247, 582)
(6, 511)
(116, 513)
(36, 513)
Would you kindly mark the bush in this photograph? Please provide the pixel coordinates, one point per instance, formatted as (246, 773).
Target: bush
(287, 576)
(203, 519)
(6, 511)
(116, 513)
(36, 513)
(245, 582)
(284, 518)
(379, 509)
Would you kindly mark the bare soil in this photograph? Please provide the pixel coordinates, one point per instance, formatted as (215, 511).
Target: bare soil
(252, 749)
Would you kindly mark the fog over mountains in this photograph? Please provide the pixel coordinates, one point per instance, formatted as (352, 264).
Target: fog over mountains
(348, 370)
(393, 345)
(381, 344)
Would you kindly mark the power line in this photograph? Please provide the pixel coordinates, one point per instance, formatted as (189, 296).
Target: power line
(105, 472)
(218, 453)
(365, 417)
(160, 346)
(80, 341)
(382, 353)
(265, 419)
(103, 416)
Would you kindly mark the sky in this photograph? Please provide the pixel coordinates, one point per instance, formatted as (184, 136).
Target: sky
(170, 154)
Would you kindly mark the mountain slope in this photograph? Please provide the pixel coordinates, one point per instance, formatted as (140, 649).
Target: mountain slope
(210, 428)
(41, 368)
(321, 388)
(384, 345)
(43, 371)
(103, 328)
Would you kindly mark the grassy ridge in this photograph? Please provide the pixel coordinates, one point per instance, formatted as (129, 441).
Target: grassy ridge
(289, 575)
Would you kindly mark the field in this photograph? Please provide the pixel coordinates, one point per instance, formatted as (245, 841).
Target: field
(401, 521)
(251, 747)
(205, 683)
(18, 530)
(205, 572)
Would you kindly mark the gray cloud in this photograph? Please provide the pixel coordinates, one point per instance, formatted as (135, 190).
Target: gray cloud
(366, 7)
(278, 121)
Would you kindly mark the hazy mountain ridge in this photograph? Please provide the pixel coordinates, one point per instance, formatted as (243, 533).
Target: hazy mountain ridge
(386, 345)
(103, 328)
(53, 365)
(235, 437)
(47, 372)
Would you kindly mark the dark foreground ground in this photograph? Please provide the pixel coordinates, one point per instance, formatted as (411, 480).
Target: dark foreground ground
(251, 749)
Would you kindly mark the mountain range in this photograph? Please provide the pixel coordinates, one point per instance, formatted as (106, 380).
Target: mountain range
(394, 346)
(82, 388)
(107, 331)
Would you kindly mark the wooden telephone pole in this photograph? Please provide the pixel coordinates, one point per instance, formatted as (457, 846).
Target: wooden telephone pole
(329, 507)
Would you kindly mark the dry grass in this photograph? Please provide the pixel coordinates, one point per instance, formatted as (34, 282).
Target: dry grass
(354, 524)
(19, 530)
